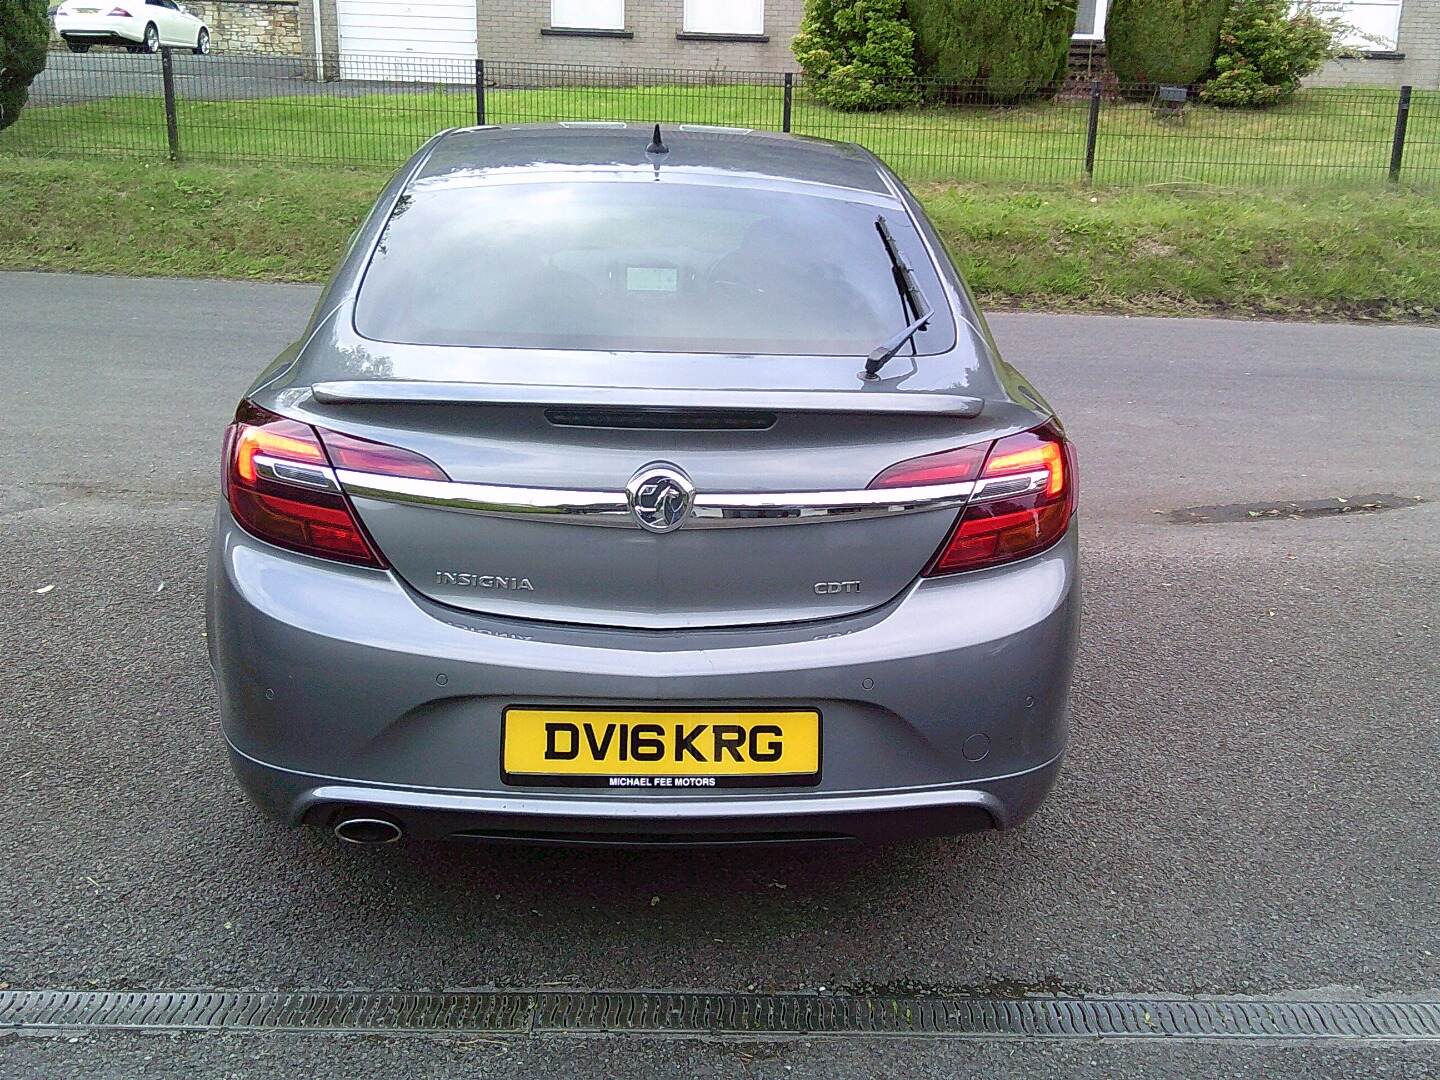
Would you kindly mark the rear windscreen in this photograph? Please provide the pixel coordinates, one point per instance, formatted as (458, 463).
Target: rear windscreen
(645, 267)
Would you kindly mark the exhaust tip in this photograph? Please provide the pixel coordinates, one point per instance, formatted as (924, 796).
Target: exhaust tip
(368, 831)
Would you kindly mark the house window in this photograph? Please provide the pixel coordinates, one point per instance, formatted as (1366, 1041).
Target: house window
(1374, 25)
(587, 14)
(1090, 20)
(741, 17)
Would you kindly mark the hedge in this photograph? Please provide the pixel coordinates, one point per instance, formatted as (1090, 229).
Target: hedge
(1163, 41)
(1005, 48)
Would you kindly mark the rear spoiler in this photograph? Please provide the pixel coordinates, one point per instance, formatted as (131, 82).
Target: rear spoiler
(414, 392)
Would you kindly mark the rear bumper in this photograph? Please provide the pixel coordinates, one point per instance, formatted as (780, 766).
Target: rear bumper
(95, 32)
(944, 711)
(650, 822)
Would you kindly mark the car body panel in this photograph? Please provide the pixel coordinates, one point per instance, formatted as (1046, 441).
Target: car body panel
(635, 578)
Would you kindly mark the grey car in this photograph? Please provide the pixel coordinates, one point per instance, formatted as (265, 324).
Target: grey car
(649, 487)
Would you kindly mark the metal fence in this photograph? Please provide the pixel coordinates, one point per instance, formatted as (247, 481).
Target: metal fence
(278, 109)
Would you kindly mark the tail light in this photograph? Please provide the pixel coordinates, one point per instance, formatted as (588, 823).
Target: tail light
(946, 467)
(119, 13)
(281, 485)
(1023, 498)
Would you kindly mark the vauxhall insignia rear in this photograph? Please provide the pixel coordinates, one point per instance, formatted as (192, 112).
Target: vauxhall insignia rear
(631, 497)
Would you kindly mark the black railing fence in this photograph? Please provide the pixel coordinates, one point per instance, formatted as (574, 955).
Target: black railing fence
(375, 110)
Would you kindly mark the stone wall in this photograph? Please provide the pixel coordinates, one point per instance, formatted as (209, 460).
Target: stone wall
(269, 27)
(1416, 59)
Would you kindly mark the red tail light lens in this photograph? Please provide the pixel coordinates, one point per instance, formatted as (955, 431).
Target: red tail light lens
(281, 485)
(946, 467)
(1023, 501)
(119, 12)
(362, 455)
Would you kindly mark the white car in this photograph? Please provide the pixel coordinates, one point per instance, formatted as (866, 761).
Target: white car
(139, 25)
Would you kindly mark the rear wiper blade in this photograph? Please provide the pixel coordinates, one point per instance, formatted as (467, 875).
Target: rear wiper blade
(910, 295)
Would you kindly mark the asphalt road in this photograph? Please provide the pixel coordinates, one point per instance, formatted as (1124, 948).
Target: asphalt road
(111, 71)
(1249, 806)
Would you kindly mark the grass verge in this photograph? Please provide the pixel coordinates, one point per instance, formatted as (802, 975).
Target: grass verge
(1337, 254)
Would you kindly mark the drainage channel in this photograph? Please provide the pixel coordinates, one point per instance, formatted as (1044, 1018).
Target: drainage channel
(715, 1014)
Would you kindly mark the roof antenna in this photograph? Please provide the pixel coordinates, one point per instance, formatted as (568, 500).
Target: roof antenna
(657, 145)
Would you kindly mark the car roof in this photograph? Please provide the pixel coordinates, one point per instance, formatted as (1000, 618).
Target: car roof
(539, 151)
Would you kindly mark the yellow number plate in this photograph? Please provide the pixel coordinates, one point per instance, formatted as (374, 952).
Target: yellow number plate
(629, 745)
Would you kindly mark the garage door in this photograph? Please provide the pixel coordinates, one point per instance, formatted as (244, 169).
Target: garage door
(407, 40)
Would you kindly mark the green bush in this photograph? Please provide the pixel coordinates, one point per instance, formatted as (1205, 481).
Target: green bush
(1006, 48)
(1266, 48)
(1163, 41)
(24, 36)
(858, 54)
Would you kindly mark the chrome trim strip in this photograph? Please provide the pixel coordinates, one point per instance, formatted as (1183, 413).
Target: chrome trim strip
(1008, 487)
(710, 511)
(732, 511)
(296, 473)
(493, 500)
(420, 392)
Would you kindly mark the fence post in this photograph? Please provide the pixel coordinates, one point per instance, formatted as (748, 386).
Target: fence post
(789, 101)
(479, 92)
(1397, 144)
(172, 121)
(1092, 129)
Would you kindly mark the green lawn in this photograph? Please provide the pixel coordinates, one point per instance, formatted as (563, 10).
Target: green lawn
(1323, 138)
(1335, 253)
